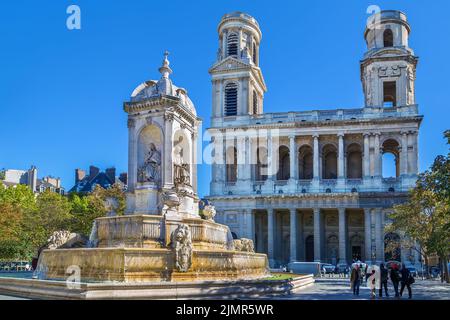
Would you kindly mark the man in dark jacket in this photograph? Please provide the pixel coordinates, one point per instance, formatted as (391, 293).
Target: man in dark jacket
(355, 280)
(406, 281)
(395, 279)
(383, 280)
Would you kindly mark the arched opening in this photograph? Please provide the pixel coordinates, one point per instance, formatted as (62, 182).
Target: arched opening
(232, 44)
(283, 164)
(329, 162)
(309, 249)
(305, 163)
(388, 38)
(356, 245)
(389, 94)
(231, 98)
(150, 155)
(354, 161)
(391, 159)
(255, 103)
(392, 247)
(182, 160)
(231, 164)
(255, 54)
(261, 164)
(332, 249)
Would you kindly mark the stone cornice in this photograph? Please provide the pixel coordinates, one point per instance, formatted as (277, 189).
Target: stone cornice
(162, 103)
(315, 124)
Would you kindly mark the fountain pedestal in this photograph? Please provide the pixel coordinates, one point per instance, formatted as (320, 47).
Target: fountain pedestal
(139, 248)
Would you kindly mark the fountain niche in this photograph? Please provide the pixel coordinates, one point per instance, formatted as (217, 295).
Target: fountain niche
(161, 237)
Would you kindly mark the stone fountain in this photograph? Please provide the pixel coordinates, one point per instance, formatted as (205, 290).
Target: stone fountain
(162, 236)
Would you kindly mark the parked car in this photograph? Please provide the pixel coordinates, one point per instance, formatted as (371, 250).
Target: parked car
(327, 268)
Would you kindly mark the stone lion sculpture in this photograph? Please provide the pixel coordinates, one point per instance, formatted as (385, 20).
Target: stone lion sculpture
(245, 245)
(181, 241)
(65, 239)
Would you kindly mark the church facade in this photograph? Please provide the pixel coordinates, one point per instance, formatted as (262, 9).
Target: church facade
(308, 185)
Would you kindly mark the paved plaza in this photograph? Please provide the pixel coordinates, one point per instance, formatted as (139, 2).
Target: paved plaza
(339, 289)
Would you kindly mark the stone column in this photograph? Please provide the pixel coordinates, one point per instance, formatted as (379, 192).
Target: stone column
(377, 156)
(404, 154)
(269, 156)
(341, 174)
(317, 235)
(167, 175)
(316, 157)
(379, 235)
(366, 156)
(194, 162)
(132, 155)
(293, 158)
(250, 221)
(240, 147)
(270, 236)
(293, 246)
(367, 235)
(342, 236)
(300, 237)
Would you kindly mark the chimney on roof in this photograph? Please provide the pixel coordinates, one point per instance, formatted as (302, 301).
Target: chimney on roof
(79, 175)
(124, 178)
(93, 171)
(111, 174)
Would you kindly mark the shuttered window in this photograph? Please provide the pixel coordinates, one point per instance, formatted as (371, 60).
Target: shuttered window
(231, 97)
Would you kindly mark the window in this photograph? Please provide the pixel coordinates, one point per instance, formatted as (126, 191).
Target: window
(391, 159)
(389, 94)
(283, 164)
(231, 99)
(232, 45)
(329, 162)
(254, 53)
(255, 102)
(305, 163)
(354, 161)
(388, 38)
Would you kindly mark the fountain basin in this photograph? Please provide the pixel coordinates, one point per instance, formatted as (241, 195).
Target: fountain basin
(143, 265)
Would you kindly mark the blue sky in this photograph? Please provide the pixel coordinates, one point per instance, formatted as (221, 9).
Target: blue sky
(61, 91)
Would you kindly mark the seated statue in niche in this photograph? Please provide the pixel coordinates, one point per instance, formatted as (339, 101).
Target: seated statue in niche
(181, 170)
(151, 170)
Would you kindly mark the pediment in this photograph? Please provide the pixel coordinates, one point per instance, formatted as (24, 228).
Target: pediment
(229, 63)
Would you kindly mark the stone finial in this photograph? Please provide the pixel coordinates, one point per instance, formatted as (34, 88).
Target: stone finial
(165, 69)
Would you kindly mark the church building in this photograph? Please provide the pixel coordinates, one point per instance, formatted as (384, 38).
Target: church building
(308, 185)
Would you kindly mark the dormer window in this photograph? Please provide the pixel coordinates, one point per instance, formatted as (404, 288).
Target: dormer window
(231, 96)
(232, 45)
(388, 38)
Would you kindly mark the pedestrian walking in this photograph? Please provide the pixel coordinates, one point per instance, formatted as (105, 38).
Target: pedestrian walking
(372, 278)
(395, 278)
(383, 281)
(407, 280)
(355, 280)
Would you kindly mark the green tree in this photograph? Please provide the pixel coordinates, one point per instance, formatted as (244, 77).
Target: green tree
(52, 213)
(15, 203)
(85, 209)
(426, 217)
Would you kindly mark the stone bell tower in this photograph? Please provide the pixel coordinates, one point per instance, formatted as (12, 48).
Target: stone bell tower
(237, 81)
(162, 162)
(388, 69)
